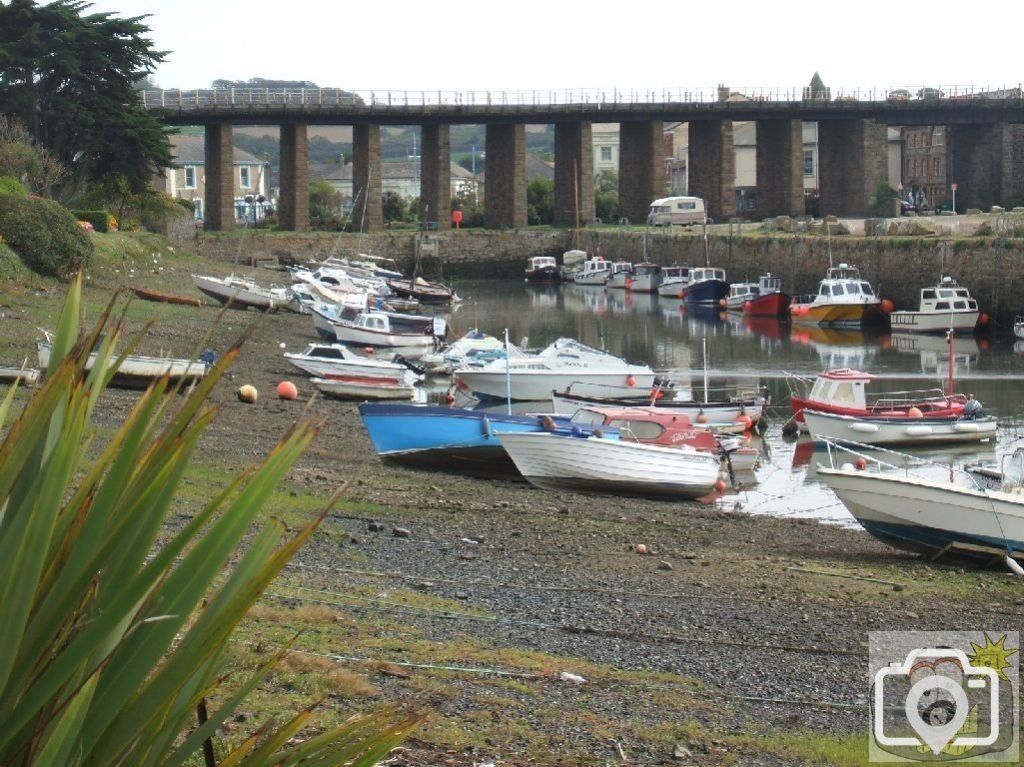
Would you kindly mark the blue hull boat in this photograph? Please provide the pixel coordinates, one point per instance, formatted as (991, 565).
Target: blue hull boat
(452, 439)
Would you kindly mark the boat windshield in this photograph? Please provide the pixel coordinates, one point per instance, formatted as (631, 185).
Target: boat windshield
(865, 288)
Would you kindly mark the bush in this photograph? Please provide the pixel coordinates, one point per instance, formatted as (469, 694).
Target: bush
(157, 210)
(100, 219)
(11, 185)
(45, 236)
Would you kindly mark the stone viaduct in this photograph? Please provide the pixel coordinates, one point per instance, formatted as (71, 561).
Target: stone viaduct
(989, 151)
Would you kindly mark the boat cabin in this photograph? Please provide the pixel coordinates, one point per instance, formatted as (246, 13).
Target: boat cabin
(947, 296)
(674, 274)
(843, 281)
(706, 273)
(652, 426)
(540, 263)
(743, 291)
(769, 284)
(594, 266)
(392, 322)
(842, 387)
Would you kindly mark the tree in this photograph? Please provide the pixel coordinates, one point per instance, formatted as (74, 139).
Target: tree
(606, 196)
(540, 201)
(324, 205)
(22, 159)
(394, 207)
(70, 79)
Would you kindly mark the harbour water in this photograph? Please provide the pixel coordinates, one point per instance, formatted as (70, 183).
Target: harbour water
(727, 352)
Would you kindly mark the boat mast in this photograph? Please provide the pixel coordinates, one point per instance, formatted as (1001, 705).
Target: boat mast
(949, 375)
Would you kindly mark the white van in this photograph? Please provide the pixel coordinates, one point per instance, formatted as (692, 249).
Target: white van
(677, 211)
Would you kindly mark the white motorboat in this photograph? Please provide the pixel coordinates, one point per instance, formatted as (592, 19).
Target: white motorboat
(941, 307)
(139, 370)
(900, 430)
(933, 510)
(239, 293)
(598, 464)
(673, 281)
(620, 273)
(644, 278)
(739, 294)
(564, 363)
(843, 299)
(595, 272)
(414, 333)
(474, 349)
(364, 387)
(337, 360)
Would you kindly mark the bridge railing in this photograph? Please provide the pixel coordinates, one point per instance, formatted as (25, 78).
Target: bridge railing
(335, 97)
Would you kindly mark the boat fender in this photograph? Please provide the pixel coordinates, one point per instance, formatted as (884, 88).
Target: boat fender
(1014, 566)
(918, 431)
(486, 425)
(864, 428)
(962, 426)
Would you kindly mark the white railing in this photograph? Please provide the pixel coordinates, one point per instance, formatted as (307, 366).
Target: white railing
(335, 97)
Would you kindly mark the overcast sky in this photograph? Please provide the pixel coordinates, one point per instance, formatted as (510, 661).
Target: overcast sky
(526, 45)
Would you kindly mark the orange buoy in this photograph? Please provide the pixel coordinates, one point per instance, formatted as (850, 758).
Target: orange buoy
(719, 485)
(247, 394)
(887, 305)
(914, 412)
(723, 303)
(983, 319)
(701, 418)
(630, 381)
(287, 390)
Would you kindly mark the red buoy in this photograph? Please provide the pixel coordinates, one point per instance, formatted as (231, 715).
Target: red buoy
(287, 390)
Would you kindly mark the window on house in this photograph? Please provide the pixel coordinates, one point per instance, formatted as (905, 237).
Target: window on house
(190, 176)
(808, 162)
(936, 166)
(939, 137)
(244, 180)
(199, 208)
(606, 154)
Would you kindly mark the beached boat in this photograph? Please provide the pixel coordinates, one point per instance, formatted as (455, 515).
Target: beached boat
(770, 301)
(364, 387)
(844, 391)
(165, 298)
(543, 269)
(564, 363)
(26, 375)
(644, 278)
(412, 332)
(449, 438)
(595, 272)
(937, 511)
(336, 360)
(673, 281)
(596, 464)
(843, 299)
(139, 370)
(941, 307)
(239, 293)
(474, 349)
(423, 291)
(742, 410)
(619, 274)
(707, 286)
(900, 430)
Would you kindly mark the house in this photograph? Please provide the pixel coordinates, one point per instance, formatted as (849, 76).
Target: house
(401, 177)
(187, 180)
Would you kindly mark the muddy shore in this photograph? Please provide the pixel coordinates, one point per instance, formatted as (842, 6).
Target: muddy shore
(731, 639)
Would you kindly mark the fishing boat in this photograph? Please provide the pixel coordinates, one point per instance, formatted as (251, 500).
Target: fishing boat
(139, 370)
(564, 363)
(941, 307)
(363, 387)
(543, 269)
(451, 439)
(673, 280)
(239, 293)
(621, 272)
(937, 511)
(901, 430)
(739, 294)
(843, 299)
(165, 298)
(707, 286)
(595, 272)
(844, 392)
(595, 464)
(336, 360)
(644, 278)
(412, 332)
(770, 301)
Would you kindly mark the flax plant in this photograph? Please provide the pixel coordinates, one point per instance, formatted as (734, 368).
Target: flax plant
(111, 640)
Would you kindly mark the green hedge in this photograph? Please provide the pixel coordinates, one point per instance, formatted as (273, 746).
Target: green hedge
(11, 185)
(46, 236)
(98, 218)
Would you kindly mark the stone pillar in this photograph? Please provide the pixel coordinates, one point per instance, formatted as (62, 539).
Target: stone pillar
(436, 177)
(367, 186)
(852, 165)
(574, 174)
(505, 175)
(641, 168)
(986, 162)
(293, 205)
(219, 197)
(780, 168)
(712, 167)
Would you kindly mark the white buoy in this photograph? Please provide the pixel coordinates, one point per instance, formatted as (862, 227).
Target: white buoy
(1014, 566)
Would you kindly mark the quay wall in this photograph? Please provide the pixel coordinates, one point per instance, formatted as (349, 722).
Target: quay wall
(897, 266)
